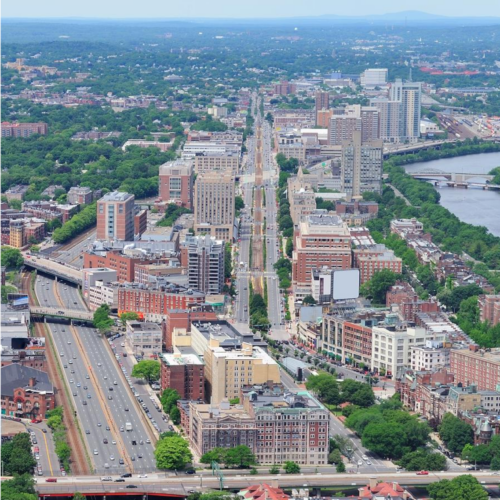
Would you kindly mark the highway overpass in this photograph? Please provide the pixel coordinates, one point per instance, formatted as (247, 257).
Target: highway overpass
(171, 484)
(59, 312)
(54, 268)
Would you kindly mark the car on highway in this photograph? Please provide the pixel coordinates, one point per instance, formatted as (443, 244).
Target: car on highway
(112, 457)
(131, 486)
(126, 474)
(106, 478)
(96, 452)
(142, 476)
(360, 462)
(422, 473)
(121, 480)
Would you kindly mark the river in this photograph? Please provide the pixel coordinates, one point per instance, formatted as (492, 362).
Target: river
(474, 205)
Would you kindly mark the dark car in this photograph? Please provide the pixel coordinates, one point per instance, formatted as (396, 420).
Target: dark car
(127, 474)
(131, 486)
(190, 471)
(120, 480)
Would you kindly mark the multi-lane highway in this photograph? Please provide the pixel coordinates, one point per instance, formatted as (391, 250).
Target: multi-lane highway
(100, 392)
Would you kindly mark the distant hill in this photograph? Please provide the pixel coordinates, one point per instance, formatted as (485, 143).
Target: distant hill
(413, 17)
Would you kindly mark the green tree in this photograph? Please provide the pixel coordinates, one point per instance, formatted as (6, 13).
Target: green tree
(455, 433)
(291, 467)
(172, 453)
(175, 415)
(12, 258)
(240, 456)
(214, 455)
(238, 204)
(423, 459)
(309, 300)
(275, 469)
(495, 463)
(377, 287)
(19, 488)
(168, 399)
(340, 467)
(385, 439)
(128, 316)
(147, 369)
(101, 319)
(465, 487)
(334, 457)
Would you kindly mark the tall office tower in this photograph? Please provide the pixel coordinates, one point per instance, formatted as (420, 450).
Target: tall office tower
(323, 118)
(322, 102)
(214, 205)
(342, 128)
(206, 264)
(374, 77)
(389, 119)
(355, 117)
(361, 168)
(115, 217)
(409, 94)
(176, 182)
(369, 121)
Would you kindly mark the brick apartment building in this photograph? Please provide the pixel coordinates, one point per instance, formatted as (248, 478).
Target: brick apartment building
(285, 88)
(183, 318)
(80, 195)
(115, 217)
(185, 373)
(406, 301)
(475, 366)
(349, 338)
(156, 302)
(323, 241)
(23, 129)
(489, 308)
(124, 265)
(26, 392)
(176, 182)
(374, 258)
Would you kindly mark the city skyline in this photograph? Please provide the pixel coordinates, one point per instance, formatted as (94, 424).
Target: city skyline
(223, 9)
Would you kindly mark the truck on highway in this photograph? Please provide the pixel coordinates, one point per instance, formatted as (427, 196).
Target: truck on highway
(128, 426)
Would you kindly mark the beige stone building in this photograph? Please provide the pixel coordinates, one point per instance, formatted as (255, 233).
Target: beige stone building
(211, 162)
(214, 205)
(227, 370)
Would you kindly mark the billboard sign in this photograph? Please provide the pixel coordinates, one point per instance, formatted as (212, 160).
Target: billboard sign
(345, 284)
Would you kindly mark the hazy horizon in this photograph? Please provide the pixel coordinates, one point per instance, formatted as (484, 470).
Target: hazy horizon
(228, 9)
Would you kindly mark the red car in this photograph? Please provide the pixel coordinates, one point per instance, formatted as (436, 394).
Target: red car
(422, 473)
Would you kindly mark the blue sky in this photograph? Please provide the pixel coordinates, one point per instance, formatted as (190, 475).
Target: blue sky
(239, 8)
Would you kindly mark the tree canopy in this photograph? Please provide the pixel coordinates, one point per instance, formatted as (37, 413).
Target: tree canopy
(147, 369)
(463, 487)
(172, 452)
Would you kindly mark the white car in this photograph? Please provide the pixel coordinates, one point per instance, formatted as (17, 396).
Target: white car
(364, 457)
(96, 452)
(360, 462)
(142, 476)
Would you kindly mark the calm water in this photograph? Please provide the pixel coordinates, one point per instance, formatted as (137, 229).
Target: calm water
(474, 206)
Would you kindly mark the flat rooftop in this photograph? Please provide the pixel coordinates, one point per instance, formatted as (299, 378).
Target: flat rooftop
(181, 359)
(116, 196)
(287, 401)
